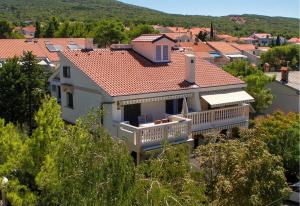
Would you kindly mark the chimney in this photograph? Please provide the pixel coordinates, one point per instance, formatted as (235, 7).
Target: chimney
(284, 75)
(190, 65)
(266, 67)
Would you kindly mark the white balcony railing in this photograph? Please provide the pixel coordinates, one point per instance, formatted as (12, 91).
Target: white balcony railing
(152, 136)
(218, 117)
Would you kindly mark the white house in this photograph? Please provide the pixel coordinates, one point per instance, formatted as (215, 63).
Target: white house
(150, 93)
(262, 39)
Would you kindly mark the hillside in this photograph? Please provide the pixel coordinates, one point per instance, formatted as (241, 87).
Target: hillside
(92, 10)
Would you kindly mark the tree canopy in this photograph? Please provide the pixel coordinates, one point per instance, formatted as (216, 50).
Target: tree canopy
(287, 55)
(256, 81)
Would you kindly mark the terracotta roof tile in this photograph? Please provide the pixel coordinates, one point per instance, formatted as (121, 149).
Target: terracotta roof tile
(223, 47)
(127, 73)
(15, 47)
(294, 40)
(244, 47)
(200, 47)
(148, 37)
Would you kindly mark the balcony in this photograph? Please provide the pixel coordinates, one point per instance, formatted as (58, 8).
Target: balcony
(151, 136)
(218, 119)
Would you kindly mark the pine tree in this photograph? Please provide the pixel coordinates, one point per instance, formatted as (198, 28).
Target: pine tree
(37, 33)
(211, 30)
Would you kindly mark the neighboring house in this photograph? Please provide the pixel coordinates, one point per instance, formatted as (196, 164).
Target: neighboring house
(286, 91)
(180, 36)
(194, 31)
(46, 50)
(227, 38)
(27, 31)
(294, 40)
(247, 40)
(227, 50)
(204, 51)
(151, 93)
(250, 51)
(262, 39)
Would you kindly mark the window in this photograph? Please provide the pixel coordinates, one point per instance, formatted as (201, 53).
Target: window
(66, 72)
(53, 87)
(165, 53)
(158, 53)
(70, 100)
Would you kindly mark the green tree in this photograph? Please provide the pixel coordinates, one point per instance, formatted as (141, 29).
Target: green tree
(108, 32)
(281, 134)
(202, 36)
(38, 32)
(87, 168)
(282, 56)
(242, 173)
(5, 29)
(169, 180)
(256, 81)
(140, 29)
(22, 86)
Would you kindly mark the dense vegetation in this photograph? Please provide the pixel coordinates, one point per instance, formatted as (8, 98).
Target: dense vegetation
(81, 164)
(256, 81)
(287, 55)
(93, 10)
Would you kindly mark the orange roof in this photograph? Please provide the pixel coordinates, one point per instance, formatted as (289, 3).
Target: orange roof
(294, 40)
(244, 47)
(227, 37)
(200, 47)
(223, 47)
(15, 47)
(126, 72)
(175, 35)
(194, 30)
(29, 28)
(246, 39)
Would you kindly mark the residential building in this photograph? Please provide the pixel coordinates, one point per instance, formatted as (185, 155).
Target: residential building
(227, 50)
(286, 91)
(181, 36)
(250, 51)
(27, 31)
(246, 40)
(294, 40)
(46, 50)
(151, 93)
(204, 51)
(262, 39)
(227, 38)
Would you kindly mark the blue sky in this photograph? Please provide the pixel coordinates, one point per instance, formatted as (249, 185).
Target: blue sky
(287, 8)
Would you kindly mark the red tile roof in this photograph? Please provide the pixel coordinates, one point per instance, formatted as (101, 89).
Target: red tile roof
(29, 28)
(151, 38)
(200, 47)
(246, 39)
(223, 47)
(294, 40)
(176, 35)
(227, 37)
(126, 72)
(244, 47)
(15, 47)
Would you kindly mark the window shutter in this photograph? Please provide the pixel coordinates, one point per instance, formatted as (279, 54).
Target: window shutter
(158, 53)
(165, 53)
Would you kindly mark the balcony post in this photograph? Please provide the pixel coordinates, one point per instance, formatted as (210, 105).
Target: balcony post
(138, 145)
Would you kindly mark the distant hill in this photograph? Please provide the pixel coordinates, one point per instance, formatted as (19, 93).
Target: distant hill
(92, 10)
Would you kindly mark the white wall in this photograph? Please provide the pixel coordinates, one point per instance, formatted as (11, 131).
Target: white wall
(156, 109)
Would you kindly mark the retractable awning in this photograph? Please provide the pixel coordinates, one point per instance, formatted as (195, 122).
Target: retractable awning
(225, 99)
(154, 99)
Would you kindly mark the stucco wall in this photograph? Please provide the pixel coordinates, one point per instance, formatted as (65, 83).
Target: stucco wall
(286, 98)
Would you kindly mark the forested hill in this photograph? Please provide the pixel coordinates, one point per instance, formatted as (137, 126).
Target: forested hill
(92, 10)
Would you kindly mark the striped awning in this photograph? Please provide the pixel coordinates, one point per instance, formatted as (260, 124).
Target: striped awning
(154, 99)
(225, 99)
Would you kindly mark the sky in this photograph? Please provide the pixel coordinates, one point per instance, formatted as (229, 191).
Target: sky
(286, 8)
